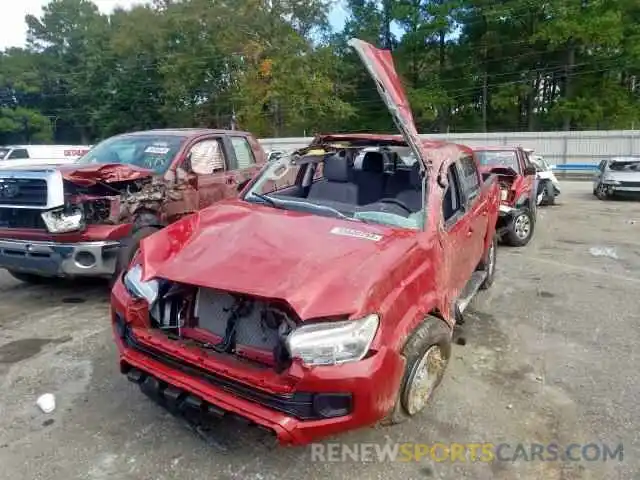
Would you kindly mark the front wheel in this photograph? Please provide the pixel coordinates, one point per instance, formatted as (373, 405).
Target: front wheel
(128, 249)
(549, 194)
(521, 229)
(601, 192)
(427, 354)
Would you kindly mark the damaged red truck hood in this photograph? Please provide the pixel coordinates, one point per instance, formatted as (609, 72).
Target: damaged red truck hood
(90, 174)
(320, 266)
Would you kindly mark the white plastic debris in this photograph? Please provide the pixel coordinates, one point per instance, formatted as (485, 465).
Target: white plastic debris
(604, 252)
(46, 402)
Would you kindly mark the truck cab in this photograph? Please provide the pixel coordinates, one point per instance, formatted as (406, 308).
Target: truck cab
(87, 218)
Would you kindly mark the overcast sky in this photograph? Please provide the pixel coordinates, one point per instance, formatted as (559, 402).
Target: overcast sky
(13, 29)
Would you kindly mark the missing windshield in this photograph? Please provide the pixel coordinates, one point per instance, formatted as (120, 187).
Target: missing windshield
(373, 184)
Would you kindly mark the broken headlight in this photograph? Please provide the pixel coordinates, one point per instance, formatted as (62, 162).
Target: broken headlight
(331, 343)
(138, 288)
(63, 220)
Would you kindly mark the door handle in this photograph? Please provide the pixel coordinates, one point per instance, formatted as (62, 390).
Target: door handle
(469, 232)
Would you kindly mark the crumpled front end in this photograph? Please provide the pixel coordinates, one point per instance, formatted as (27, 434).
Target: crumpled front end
(53, 226)
(229, 354)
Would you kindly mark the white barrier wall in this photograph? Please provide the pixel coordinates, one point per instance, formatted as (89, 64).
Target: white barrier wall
(557, 147)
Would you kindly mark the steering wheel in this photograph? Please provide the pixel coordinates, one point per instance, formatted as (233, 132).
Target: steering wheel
(397, 202)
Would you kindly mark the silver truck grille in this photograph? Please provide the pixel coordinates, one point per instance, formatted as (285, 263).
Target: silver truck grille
(29, 192)
(31, 189)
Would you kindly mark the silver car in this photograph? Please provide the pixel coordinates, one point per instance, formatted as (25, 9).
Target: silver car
(617, 176)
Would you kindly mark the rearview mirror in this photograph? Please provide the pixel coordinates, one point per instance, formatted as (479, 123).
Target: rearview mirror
(530, 170)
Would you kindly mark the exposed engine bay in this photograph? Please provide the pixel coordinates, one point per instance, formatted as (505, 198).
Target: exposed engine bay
(114, 203)
(226, 323)
(506, 177)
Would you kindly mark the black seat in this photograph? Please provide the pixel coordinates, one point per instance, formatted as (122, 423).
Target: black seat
(337, 184)
(398, 181)
(412, 196)
(370, 178)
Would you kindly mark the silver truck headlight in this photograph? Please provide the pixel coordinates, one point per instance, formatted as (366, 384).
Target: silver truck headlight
(138, 288)
(63, 220)
(331, 343)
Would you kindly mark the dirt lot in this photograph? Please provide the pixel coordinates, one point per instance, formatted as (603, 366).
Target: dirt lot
(551, 356)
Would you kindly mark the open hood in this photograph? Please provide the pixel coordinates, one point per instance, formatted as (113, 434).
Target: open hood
(380, 66)
(90, 174)
(320, 266)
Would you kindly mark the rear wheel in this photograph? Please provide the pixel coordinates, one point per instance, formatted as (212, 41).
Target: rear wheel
(128, 249)
(488, 264)
(549, 194)
(427, 354)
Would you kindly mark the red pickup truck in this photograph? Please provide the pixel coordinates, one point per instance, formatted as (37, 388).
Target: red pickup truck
(519, 190)
(87, 218)
(325, 297)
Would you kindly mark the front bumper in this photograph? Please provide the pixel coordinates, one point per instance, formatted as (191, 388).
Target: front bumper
(90, 259)
(288, 409)
(623, 189)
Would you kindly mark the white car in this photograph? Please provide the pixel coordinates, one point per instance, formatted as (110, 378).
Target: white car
(617, 176)
(548, 184)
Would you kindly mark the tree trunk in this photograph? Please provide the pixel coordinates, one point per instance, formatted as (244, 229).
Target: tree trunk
(568, 83)
(531, 103)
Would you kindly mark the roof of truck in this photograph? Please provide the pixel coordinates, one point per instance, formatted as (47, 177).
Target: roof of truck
(186, 132)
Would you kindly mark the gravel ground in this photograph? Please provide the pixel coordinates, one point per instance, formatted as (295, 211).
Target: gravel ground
(551, 356)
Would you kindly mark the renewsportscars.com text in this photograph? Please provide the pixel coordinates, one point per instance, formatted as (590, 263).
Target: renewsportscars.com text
(467, 452)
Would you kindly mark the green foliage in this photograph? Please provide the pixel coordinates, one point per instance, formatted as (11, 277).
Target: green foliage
(275, 68)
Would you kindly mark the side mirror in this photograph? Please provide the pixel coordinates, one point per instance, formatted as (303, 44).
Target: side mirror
(530, 170)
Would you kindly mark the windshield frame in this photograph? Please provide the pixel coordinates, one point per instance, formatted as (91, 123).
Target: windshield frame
(303, 161)
(479, 153)
(4, 152)
(177, 144)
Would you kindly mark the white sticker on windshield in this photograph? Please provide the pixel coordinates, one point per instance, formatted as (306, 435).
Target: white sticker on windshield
(349, 232)
(156, 150)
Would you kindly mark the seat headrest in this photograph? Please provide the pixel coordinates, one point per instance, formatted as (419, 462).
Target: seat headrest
(337, 168)
(373, 162)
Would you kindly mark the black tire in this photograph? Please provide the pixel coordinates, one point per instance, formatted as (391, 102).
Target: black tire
(128, 249)
(32, 278)
(549, 197)
(515, 239)
(432, 332)
(601, 192)
(488, 263)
